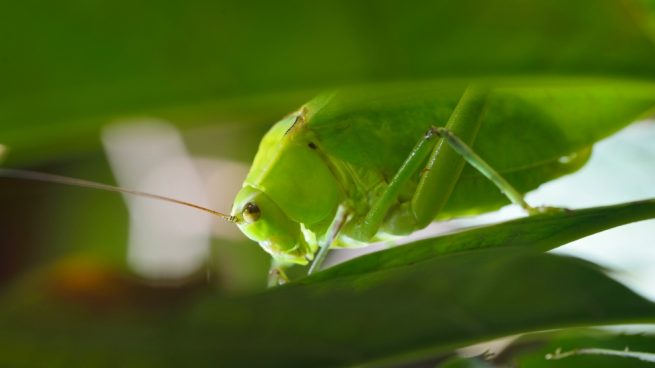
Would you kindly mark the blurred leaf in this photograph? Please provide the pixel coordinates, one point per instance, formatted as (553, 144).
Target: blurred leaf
(541, 232)
(70, 67)
(399, 314)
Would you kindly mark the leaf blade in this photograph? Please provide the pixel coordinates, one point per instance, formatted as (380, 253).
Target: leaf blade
(540, 232)
(391, 315)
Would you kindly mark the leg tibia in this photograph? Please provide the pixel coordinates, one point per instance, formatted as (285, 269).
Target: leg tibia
(483, 167)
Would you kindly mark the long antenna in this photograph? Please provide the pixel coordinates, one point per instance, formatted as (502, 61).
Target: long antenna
(50, 178)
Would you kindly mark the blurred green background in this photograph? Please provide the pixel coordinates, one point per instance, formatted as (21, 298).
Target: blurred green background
(220, 73)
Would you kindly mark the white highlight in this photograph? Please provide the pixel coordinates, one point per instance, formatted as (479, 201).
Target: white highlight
(621, 169)
(165, 241)
(223, 180)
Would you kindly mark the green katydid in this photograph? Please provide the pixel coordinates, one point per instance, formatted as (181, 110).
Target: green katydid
(355, 170)
(353, 166)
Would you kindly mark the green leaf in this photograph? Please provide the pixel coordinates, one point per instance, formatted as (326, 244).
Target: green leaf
(533, 135)
(393, 315)
(531, 131)
(541, 232)
(76, 66)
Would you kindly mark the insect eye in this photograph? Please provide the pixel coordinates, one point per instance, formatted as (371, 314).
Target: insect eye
(251, 212)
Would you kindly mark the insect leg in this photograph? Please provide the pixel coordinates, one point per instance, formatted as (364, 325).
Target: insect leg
(483, 167)
(447, 161)
(441, 172)
(276, 274)
(435, 186)
(445, 165)
(332, 233)
(370, 224)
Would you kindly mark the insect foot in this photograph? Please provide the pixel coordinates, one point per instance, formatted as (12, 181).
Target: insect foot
(276, 277)
(433, 132)
(549, 210)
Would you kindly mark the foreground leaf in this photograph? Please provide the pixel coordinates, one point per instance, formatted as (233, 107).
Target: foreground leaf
(540, 233)
(391, 315)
